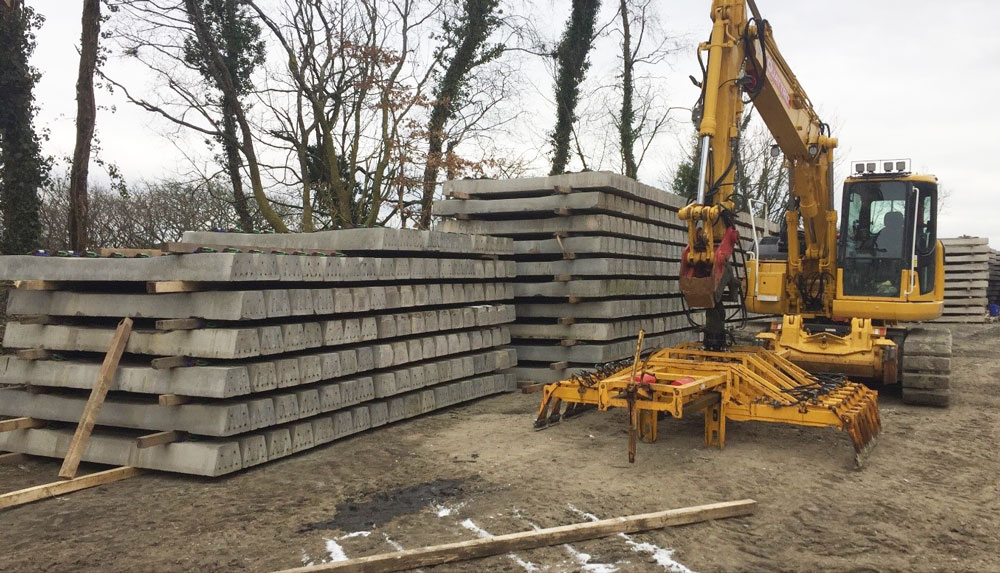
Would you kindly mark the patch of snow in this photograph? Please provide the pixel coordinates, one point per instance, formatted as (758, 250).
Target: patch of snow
(479, 531)
(584, 560)
(392, 542)
(662, 556)
(334, 551)
(355, 534)
(445, 511)
(580, 512)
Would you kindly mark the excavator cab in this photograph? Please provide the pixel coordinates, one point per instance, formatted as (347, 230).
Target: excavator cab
(888, 234)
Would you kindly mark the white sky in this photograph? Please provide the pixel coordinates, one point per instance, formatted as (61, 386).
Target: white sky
(911, 79)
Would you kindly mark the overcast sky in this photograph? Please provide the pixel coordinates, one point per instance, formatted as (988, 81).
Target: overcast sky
(913, 79)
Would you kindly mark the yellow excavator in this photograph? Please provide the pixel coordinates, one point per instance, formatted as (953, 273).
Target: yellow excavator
(840, 296)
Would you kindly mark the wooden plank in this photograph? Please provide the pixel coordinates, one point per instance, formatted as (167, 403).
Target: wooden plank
(499, 544)
(160, 287)
(40, 285)
(12, 458)
(35, 319)
(532, 388)
(96, 400)
(172, 400)
(159, 439)
(112, 251)
(54, 489)
(194, 248)
(168, 362)
(179, 324)
(561, 365)
(20, 424)
(34, 354)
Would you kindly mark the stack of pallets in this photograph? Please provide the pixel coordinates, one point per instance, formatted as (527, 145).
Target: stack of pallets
(966, 279)
(597, 259)
(237, 358)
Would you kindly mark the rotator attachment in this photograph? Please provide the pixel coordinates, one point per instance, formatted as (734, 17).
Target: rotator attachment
(742, 384)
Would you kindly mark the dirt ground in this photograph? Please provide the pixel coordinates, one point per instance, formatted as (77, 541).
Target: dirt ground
(928, 499)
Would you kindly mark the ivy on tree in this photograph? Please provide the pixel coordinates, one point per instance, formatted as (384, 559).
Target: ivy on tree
(23, 168)
(572, 65)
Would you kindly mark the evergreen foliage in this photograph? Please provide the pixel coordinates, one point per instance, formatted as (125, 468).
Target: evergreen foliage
(465, 48)
(572, 65)
(23, 168)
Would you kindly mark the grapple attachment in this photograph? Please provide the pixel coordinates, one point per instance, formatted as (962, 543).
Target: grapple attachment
(741, 384)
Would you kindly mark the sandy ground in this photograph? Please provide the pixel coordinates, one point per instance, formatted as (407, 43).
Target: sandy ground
(928, 499)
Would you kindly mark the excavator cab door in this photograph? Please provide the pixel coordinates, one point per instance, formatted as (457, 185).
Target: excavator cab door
(925, 236)
(887, 226)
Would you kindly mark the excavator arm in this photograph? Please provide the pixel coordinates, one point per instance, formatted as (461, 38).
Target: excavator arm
(745, 67)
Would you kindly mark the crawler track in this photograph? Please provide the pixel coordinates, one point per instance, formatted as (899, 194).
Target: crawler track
(927, 366)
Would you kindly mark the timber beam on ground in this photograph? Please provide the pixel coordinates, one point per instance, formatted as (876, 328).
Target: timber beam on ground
(499, 544)
(63, 487)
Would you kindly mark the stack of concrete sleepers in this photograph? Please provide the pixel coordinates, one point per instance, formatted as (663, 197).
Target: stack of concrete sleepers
(966, 279)
(597, 259)
(278, 349)
(993, 288)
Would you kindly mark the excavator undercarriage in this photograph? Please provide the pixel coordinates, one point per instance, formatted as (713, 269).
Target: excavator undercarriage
(741, 383)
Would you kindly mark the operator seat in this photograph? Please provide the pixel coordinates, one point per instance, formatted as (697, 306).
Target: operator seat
(891, 237)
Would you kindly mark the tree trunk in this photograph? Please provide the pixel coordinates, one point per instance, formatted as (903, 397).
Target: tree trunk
(434, 145)
(86, 114)
(233, 166)
(572, 67)
(625, 128)
(302, 152)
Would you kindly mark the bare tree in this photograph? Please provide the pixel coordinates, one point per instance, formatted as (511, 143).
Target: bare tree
(149, 214)
(183, 44)
(353, 65)
(762, 176)
(643, 114)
